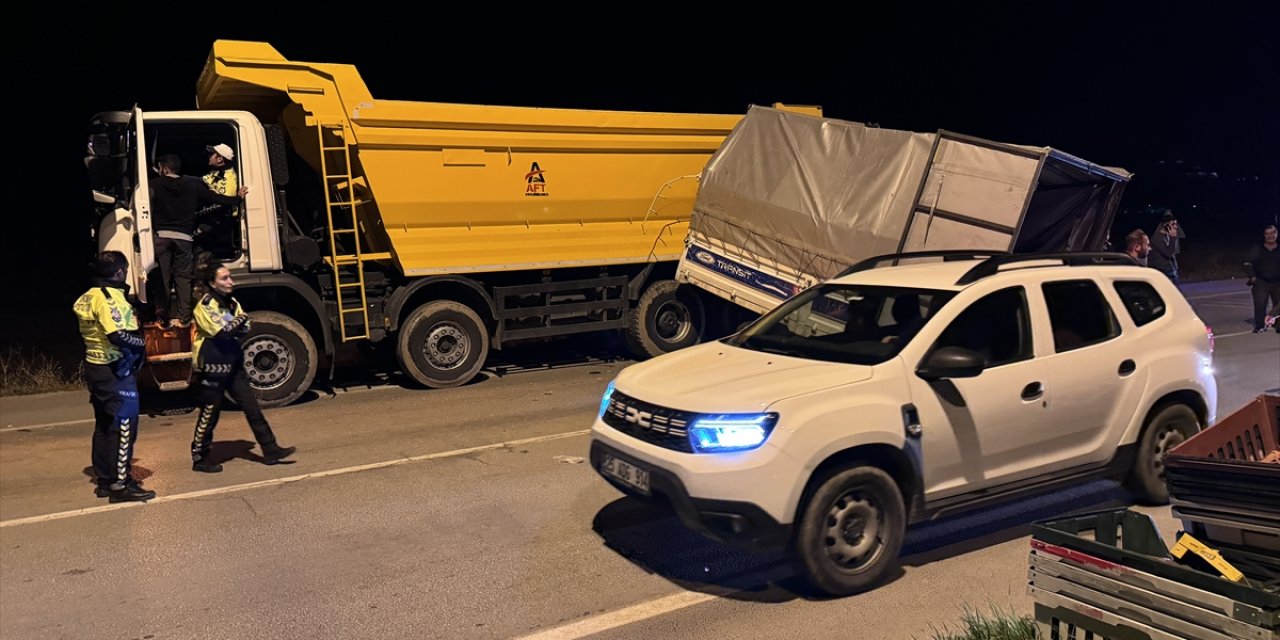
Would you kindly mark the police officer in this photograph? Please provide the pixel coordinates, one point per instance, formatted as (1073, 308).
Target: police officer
(215, 233)
(220, 322)
(112, 353)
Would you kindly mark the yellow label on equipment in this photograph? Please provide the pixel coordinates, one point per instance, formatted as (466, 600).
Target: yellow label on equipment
(1187, 543)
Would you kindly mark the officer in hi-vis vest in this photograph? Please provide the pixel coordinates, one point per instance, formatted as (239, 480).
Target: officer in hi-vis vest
(220, 322)
(112, 352)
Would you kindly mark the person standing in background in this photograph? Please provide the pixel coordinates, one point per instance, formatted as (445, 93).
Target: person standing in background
(1262, 266)
(1166, 244)
(1137, 245)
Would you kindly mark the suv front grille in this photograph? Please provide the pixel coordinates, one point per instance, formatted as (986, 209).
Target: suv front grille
(667, 428)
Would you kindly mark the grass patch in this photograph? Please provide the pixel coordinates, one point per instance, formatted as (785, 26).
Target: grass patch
(998, 625)
(24, 372)
(1216, 261)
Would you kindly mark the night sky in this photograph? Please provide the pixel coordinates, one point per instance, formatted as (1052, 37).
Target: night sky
(1162, 89)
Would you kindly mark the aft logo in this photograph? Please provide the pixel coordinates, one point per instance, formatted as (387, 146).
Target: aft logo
(536, 182)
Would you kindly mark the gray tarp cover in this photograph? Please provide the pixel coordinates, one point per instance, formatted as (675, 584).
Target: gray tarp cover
(805, 196)
(798, 191)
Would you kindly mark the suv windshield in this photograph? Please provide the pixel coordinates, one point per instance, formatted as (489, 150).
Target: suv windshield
(851, 323)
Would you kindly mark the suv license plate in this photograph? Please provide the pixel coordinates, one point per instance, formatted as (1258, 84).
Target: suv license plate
(626, 473)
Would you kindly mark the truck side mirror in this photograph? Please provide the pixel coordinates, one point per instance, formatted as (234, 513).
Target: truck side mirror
(100, 145)
(951, 362)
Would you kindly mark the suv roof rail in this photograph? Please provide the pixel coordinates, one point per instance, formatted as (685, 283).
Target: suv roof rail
(992, 265)
(947, 255)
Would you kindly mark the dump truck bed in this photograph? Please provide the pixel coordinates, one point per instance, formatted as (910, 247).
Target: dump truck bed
(452, 188)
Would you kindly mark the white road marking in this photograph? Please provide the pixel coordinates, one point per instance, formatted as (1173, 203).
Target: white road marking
(1219, 295)
(278, 481)
(1231, 335)
(614, 619)
(45, 425)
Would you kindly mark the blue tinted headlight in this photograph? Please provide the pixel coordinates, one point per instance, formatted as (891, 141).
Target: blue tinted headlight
(734, 432)
(604, 401)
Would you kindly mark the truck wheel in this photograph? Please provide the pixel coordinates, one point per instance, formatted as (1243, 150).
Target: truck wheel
(667, 317)
(442, 344)
(850, 531)
(1168, 428)
(280, 358)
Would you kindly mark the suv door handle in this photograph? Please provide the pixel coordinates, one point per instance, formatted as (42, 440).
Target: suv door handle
(1032, 391)
(1127, 367)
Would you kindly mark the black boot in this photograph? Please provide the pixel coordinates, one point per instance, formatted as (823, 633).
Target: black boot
(206, 466)
(274, 453)
(130, 492)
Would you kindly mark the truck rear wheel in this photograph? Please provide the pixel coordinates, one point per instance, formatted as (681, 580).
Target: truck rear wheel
(668, 316)
(442, 344)
(280, 358)
(850, 530)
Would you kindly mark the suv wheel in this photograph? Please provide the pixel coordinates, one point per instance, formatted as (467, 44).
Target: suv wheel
(1168, 428)
(851, 531)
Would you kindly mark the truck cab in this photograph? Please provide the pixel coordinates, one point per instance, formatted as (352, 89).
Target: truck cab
(246, 238)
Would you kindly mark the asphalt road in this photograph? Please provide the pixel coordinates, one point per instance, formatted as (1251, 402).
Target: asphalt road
(461, 513)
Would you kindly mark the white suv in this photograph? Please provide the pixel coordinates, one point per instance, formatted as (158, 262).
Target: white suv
(896, 394)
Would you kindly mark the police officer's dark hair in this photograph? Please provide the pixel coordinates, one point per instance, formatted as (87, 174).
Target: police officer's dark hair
(171, 162)
(107, 263)
(209, 272)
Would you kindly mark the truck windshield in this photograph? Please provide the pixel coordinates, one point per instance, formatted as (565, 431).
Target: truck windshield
(856, 324)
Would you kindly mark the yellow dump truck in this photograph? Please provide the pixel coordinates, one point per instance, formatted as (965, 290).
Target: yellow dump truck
(449, 229)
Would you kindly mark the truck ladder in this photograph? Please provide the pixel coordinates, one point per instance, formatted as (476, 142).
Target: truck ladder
(340, 207)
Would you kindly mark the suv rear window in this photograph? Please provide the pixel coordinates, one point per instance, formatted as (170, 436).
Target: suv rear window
(1079, 315)
(1141, 299)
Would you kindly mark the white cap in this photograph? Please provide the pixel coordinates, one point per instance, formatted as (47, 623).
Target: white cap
(222, 150)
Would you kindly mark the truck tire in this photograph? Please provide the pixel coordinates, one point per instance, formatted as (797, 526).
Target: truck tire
(668, 316)
(1168, 428)
(280, 358)
(442, 344)
(850, 530)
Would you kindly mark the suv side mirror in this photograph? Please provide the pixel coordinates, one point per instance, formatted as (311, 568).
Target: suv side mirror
(951, 362)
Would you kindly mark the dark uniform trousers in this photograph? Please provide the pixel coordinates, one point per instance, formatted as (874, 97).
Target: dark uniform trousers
(1263, 289)
(214, 381)
(115, 411)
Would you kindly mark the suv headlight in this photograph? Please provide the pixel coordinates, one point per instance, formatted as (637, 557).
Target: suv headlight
(733, 432)
(604, 400)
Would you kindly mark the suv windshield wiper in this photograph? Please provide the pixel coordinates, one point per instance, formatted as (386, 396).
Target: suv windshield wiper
(755, 343)
(782, 352)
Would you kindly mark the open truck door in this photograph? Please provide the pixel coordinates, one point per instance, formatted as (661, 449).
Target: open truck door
(117, 165)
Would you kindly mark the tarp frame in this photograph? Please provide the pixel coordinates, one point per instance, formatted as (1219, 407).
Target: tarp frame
(1030, 153)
